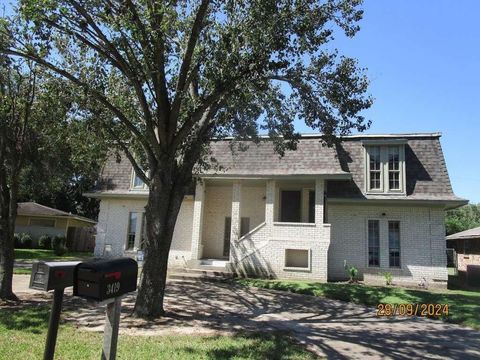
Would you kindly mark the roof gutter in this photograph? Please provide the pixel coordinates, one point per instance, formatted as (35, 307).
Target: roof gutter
(448, 204)
(339, 176)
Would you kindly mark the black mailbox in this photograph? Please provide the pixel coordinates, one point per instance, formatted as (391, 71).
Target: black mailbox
(104, 279)
(52, 275)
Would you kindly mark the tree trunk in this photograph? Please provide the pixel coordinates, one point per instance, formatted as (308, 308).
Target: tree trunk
(8, 213)
(164, 201)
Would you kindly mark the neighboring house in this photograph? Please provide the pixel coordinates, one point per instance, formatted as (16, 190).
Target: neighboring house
(374, 201)
(38, 220)
(467, 247)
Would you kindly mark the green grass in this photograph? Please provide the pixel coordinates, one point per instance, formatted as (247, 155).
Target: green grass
(23, 331)
(452, 271)
(22, 271)
(464, 306)
(44, 255)
(41, 254)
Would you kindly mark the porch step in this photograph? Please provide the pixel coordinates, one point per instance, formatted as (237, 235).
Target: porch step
(210, 273)
(214, 273)
(213, 264)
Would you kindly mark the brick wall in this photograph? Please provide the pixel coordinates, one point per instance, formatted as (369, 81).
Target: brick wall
(263, 251)
(112, 228)
(422, 242)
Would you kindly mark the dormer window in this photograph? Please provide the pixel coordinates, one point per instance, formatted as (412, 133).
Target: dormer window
(385, 168)
(375, 168)
(137, 183)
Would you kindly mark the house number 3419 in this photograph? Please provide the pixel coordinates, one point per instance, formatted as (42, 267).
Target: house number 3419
(113, 288)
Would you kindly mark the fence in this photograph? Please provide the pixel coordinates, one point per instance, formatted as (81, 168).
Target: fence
(81, 238)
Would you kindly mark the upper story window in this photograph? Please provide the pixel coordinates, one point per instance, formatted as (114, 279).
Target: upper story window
(385, 170)
(137, 183)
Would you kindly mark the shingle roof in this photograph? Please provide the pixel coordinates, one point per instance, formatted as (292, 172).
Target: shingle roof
(116, 174)
(34, 209)
(467, 234)
(310, 158)
(426, 172)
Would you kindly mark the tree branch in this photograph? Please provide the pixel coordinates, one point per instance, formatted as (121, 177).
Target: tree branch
(98, 96)
(137, 168)
(185, 67)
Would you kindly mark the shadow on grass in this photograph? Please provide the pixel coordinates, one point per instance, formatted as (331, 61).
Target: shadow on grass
(464, 307)
(28, 317)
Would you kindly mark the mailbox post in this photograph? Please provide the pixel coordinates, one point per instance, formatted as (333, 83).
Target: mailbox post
(54, 276)
(106, 281)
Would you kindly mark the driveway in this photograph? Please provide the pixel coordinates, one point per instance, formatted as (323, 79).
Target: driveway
(330, 328)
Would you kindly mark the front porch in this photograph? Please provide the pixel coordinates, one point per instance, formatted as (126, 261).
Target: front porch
(262, 227)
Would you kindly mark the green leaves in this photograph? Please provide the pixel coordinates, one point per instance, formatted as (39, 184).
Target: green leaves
(461, 219)
(165, 79)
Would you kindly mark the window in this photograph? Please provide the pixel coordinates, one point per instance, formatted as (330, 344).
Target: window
(132, 230)
(375, 169)
(373, 243)
(43, 222)
(394, 243)
(297, 259)
(137, 182)
(394, 168)
(143, 237)
(385, 164)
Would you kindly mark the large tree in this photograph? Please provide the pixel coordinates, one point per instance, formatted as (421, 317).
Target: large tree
(30, 105)
(174, 74)
(67, 163)
(463, 218)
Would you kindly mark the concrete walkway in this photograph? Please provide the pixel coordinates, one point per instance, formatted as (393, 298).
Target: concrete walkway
(330, 328)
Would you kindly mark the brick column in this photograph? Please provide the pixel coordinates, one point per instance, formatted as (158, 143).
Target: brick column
(270, 202)
(319, 197)
(236, 195)
(198, 221)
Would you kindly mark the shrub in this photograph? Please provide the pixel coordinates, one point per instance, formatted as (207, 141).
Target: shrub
(352, 272)
(45, 242)
(26, 240)
(59, 245)
(69, 243)
(388, 278)
(17, 242)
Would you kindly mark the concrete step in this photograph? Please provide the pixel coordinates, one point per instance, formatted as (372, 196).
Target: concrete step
(210, 273)
(208, 268)
(213, 262)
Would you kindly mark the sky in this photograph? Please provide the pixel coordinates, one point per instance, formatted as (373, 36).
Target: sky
(423, 61)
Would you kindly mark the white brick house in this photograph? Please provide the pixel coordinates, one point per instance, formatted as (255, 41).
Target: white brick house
(373, 201)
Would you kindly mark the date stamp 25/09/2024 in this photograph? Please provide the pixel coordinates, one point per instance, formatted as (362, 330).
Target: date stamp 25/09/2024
(424, 310)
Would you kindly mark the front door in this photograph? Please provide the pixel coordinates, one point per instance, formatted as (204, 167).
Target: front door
(291, 206)
(226, 236)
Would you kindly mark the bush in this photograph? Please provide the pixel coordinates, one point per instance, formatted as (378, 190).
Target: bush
(59, 245)
(17, 242)
(352, 272)
(69, 243)
(388, 278)
(25, 241)
(45, 242)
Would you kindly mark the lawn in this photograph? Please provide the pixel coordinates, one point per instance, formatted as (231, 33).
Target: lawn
(23, 331)
(30, 255)
(42, 254)
(464, 306)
